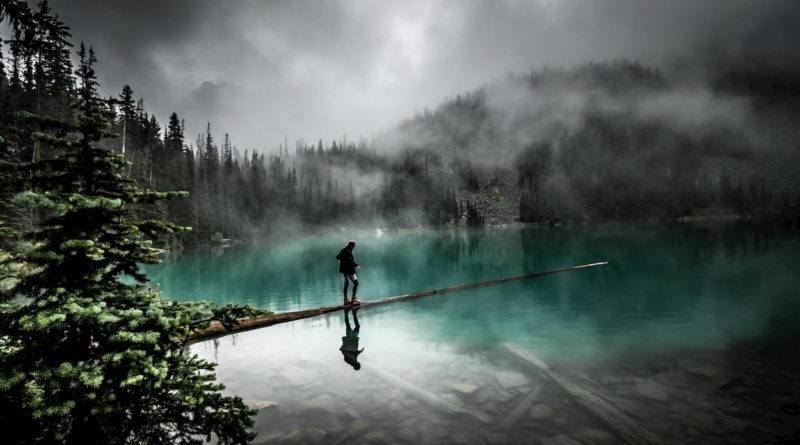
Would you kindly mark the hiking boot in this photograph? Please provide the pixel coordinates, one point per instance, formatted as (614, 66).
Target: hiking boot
(355, 300)
(345, 303)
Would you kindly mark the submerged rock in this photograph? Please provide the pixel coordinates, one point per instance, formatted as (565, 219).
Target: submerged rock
(481, 397)
(523, 389)
(452, 398)
(464, 388)
(260, 404)
(502, 396)
(508, 379)
(540, 411)
(377, 437)
(323, 404)
(269, 415)
(652, 390)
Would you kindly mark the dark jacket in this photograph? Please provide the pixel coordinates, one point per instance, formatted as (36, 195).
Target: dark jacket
(347, 264)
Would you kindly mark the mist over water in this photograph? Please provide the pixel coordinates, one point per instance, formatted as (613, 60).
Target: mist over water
(665, 287)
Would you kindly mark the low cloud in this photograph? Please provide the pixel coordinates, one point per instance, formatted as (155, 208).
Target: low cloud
(324, 69)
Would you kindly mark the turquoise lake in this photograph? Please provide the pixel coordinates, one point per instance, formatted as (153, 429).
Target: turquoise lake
(689, 330)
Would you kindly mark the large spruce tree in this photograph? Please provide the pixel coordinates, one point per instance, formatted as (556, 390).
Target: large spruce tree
(85, 355)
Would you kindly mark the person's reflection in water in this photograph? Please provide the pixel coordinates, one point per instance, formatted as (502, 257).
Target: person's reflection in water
(349, 347)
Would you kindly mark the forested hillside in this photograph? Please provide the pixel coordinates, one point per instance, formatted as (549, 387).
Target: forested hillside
(620, 141)
(233, 193)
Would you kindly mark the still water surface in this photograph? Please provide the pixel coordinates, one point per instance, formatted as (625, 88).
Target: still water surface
(660, 332)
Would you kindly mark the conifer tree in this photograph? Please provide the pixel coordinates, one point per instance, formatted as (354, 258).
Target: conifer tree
(19, 17)
(212, 157)
(86, 357)
(127, 104)
(57, 66)
(2, 68)
(15, 81)
(227, 154)
(173, 138)
(4, 108)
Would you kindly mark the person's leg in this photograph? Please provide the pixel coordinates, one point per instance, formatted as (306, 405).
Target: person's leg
(346, 285)
(355, 286)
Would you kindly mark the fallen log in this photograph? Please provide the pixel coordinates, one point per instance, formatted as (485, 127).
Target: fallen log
(216, 329)
(622, 422)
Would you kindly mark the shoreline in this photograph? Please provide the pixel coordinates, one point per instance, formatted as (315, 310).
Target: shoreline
(312, 232)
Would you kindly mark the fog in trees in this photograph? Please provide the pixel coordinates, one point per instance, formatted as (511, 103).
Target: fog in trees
(690, 117)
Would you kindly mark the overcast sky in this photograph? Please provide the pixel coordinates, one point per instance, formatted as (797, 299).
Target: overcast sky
(262, 70)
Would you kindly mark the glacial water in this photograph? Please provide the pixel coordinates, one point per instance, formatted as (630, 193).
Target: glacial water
(689, 331)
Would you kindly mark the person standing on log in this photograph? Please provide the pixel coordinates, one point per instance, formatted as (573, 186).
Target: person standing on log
(348, 268)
